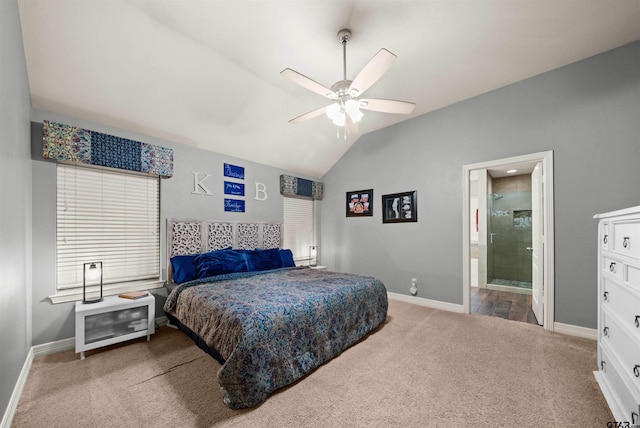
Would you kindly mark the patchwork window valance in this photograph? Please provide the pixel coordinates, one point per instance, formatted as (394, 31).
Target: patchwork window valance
(70, 143)
(295, 187)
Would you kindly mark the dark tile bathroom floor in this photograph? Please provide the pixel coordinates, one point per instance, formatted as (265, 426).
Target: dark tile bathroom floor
(511, 306)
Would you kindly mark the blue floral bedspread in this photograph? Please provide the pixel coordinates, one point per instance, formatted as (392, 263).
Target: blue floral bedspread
(271, 328)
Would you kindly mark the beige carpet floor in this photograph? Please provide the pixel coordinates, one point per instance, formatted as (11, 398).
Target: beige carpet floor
(423, 368)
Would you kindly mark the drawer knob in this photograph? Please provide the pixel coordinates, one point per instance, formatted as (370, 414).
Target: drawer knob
(605, 296)
(636, 370)
(637, 321)
(605, 331)
(626, 242)
(605, 239)
(612, 267)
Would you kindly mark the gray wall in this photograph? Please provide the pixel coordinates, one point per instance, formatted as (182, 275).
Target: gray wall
(55, 322)
(15, 204)
(588, 113)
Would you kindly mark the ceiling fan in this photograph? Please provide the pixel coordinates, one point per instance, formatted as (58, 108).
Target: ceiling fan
(345, 109)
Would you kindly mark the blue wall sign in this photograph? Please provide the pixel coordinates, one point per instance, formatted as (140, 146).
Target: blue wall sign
(234, 205)
(236, 189)
(233, 171)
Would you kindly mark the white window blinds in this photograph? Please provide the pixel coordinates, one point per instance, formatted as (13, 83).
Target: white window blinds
(299, 226)
(107, 216)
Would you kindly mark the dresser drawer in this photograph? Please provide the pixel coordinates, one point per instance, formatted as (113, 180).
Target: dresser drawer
(605, 237)
(622, 301)
(624, 346)
(626, 237)
(614, 267)
(633, 277)
(626, 401)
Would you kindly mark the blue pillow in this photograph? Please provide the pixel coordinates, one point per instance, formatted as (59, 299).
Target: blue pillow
(184, 268)
(287, 258)
(264, 259)
(220, 262)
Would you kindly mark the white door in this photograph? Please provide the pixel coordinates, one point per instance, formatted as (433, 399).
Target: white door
(483, 176)
(537, 242)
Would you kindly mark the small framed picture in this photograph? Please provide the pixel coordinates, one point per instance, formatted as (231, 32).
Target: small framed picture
(400, 207)
(359, 203)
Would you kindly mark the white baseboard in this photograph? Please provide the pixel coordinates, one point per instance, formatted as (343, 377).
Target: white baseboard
(568, 329)
(7, 419)
(574, 330)
(436, 304)
(53, 347)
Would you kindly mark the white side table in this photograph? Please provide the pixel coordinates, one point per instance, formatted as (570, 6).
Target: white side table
(113, 320)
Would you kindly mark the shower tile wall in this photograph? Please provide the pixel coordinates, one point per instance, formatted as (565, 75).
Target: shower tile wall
(511, 260)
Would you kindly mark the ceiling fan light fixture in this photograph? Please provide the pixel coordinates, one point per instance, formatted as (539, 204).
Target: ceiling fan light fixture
(356, 116)
(340, 119)
(352, 108)
(338, 112)
(332, 110)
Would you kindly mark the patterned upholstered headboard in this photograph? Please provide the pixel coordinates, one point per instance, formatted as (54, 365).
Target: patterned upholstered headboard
(185, 237)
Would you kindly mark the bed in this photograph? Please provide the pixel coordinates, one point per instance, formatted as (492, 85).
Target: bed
(266, 321)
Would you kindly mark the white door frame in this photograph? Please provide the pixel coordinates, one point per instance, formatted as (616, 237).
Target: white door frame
(548, 218)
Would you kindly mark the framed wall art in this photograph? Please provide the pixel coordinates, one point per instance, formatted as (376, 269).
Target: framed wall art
(400, 207)
(359, 203)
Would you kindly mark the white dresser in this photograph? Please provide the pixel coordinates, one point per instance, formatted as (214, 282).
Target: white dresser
(619, 312)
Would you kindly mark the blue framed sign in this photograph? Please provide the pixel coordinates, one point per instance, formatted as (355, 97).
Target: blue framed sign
(233, 171)
(234, 205)
(236, 189)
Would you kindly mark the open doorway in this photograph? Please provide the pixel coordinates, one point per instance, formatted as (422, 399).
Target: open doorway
(508, 235)
(506, 289)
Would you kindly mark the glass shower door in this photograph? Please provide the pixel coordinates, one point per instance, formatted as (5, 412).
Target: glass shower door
(509, 239)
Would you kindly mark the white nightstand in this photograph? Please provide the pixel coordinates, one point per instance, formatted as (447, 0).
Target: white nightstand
(112, 321)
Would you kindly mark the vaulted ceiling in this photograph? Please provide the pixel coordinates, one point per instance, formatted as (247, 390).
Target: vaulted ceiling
(207, 73)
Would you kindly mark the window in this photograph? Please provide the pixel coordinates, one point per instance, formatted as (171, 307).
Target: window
(299, 227)
(109, 216)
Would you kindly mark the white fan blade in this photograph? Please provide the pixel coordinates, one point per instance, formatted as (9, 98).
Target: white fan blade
(387, 106)
(308, 116)
(308, 83)
(375, 68)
